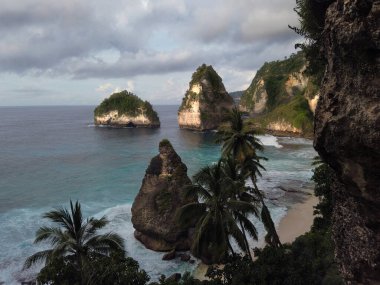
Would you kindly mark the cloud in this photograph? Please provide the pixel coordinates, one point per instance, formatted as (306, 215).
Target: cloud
(104, 87)
(74, 38)
(149, 47)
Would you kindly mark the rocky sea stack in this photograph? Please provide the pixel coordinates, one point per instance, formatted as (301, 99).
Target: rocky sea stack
(159, 198)
(124, 109)
(282, 97)
(206, 101)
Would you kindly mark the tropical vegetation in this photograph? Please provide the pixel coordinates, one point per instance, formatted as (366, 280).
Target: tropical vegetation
(221, 212)
(226, 203)
(126, 103)
(78, 251)
(311, 15)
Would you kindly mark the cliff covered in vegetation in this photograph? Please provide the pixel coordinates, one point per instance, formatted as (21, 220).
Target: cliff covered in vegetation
(282, 97)
(124, 109)
(205, 102)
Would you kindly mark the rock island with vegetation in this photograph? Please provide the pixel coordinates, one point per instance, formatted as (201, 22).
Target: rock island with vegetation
(205, 102)
(282, 97)
(125, 109)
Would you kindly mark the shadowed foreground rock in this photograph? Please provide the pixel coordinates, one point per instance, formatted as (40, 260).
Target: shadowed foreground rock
(160, 196)
(347, 134)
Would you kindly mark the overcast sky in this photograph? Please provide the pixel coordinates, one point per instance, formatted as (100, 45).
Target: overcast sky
(75, 52)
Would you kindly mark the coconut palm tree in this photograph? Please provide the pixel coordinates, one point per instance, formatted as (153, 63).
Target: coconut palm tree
(215, 214)
(238, 139)
(76, 238)
(240, 142)
(236, 180)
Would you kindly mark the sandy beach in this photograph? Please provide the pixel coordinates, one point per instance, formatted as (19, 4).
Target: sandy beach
(297, 221)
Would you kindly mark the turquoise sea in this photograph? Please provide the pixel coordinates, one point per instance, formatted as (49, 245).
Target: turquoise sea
(49, 155)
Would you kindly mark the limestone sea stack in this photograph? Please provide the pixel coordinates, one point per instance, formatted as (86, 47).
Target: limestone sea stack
(160, 196)
(124, 109)
(206, 102)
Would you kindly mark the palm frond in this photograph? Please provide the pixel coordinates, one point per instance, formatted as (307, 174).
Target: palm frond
(50, 234)
(272, 236)
(62, 217)
(37, 257)
(248, 225)
(235, 231)
(189, 213)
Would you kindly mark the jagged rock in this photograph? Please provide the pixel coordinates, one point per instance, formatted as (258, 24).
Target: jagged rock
(169, 256)
(160, 196)
(347, 134)
(206, 101)
(125, 109)
(175, 277)
(185, 257)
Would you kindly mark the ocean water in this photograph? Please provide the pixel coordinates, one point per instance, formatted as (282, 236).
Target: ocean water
(49, 155)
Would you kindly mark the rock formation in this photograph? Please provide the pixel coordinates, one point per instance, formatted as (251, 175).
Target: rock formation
(160, 196)
(206, 101)
(347, 133)
(125, 109)
(282, 97)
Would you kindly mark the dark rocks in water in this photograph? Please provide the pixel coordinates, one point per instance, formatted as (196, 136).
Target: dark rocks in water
(185, 257)
(169, 256)
(347, 134)
(175, 277)
(159, 198)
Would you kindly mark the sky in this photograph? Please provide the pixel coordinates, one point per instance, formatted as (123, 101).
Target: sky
(78, 52)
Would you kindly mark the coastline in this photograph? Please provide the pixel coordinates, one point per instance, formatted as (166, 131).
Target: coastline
(297, 221)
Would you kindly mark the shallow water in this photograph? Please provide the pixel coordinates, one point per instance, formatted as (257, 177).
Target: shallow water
(49, 155)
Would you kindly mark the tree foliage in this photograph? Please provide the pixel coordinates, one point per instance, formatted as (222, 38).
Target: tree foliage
(126, 103)
(75, 243)
(311, 15)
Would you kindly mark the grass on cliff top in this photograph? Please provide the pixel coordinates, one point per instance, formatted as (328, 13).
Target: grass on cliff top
(274, 74)
(165, 142)
(208, 73)
(126, 103)
(296, 112)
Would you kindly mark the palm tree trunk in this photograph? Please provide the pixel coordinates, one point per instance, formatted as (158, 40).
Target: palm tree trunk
(246, 241)
(230, 246)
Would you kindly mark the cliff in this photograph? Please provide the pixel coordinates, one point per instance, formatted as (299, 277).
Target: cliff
(206, 101)
(281, 97)
(347, 134)
(160, 196)
(124, 109)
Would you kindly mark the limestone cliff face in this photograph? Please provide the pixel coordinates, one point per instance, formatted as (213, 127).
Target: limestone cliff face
(277, 82)
(125, 109)
(282, 98)
(113, 118)
(206, 101)
(283, 126)
(347, 133)
(160, 196)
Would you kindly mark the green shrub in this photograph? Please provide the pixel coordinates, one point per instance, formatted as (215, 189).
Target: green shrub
(126, 103)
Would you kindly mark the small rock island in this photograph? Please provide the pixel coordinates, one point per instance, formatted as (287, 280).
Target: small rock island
(160, 196)
(206, 101)
(125, 109)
